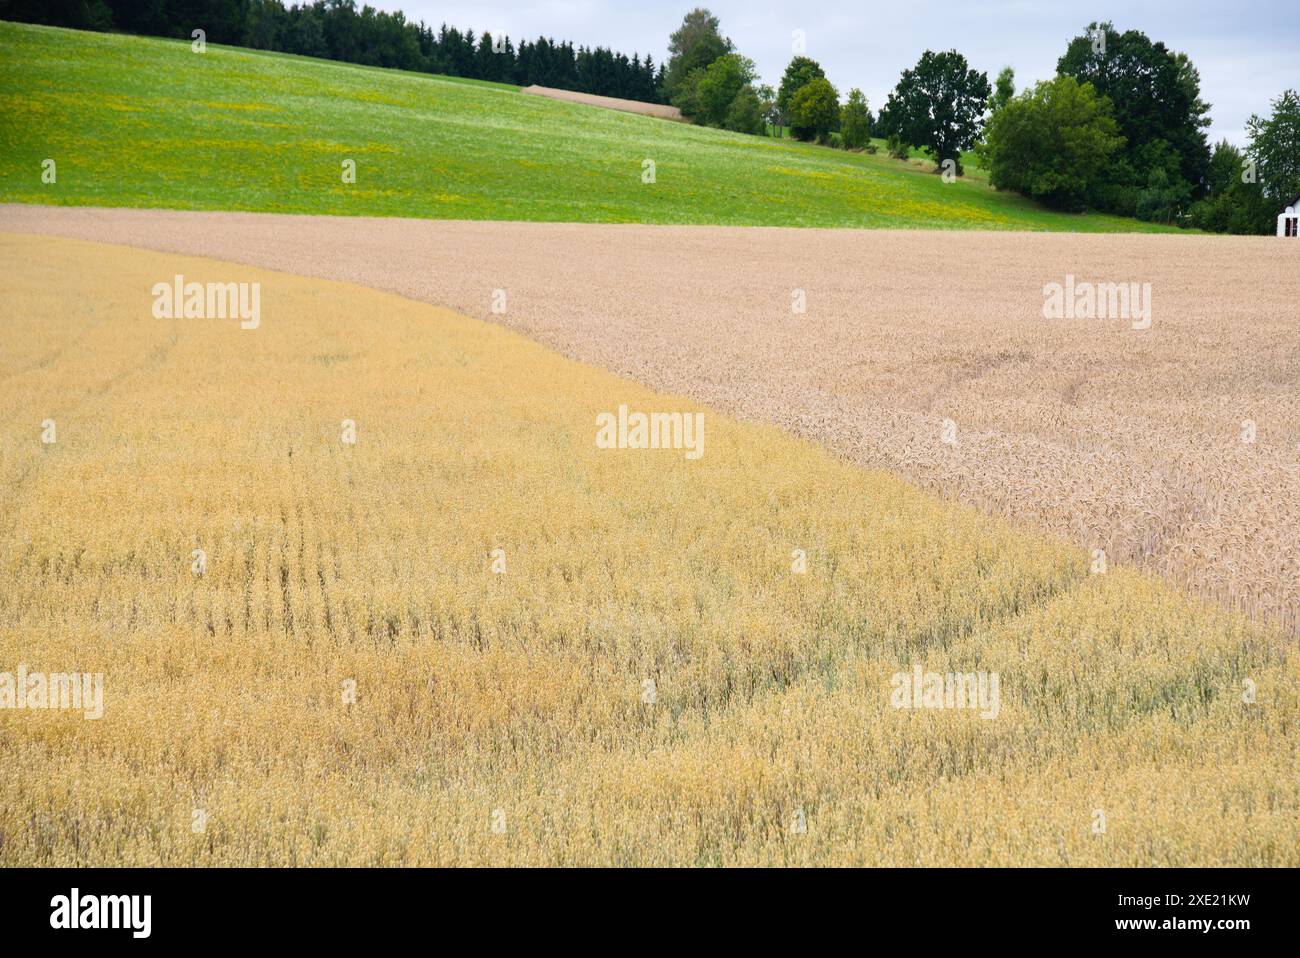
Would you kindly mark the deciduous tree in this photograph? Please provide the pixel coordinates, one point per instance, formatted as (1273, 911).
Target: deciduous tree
(855, 121)
(815, 110)
(1051, 142)
(938, 104)
(693, 46)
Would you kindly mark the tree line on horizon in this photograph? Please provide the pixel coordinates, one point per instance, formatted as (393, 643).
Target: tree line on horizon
(1120, 128)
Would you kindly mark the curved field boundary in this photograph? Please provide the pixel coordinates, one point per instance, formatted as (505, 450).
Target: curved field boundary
(1128, 441)
(650, 675)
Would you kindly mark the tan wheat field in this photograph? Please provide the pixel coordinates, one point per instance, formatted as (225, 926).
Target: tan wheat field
(503, 717)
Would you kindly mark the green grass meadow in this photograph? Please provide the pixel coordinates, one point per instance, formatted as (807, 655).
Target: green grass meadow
(142, 122)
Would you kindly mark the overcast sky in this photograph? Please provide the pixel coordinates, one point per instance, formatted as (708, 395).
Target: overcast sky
(1246, 53)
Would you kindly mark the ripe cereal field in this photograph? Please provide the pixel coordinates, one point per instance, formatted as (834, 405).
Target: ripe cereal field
(645, 673)
(1175, 448)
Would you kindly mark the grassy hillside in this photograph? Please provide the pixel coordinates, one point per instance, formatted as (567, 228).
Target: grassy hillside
(519, 695)
(132, 121)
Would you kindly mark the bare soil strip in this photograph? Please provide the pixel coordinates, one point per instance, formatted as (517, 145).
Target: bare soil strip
(661, 110)
(1175, 448)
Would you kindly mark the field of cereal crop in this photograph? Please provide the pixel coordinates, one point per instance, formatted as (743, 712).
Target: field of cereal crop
(1175, 448)
(670, 660)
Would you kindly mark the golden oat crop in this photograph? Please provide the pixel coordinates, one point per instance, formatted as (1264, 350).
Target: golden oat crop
(647, 682)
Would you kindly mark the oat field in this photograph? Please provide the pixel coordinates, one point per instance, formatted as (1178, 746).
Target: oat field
(641, 675)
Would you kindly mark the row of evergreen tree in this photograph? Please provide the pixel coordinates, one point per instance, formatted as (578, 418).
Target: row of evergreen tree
(338, 30)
